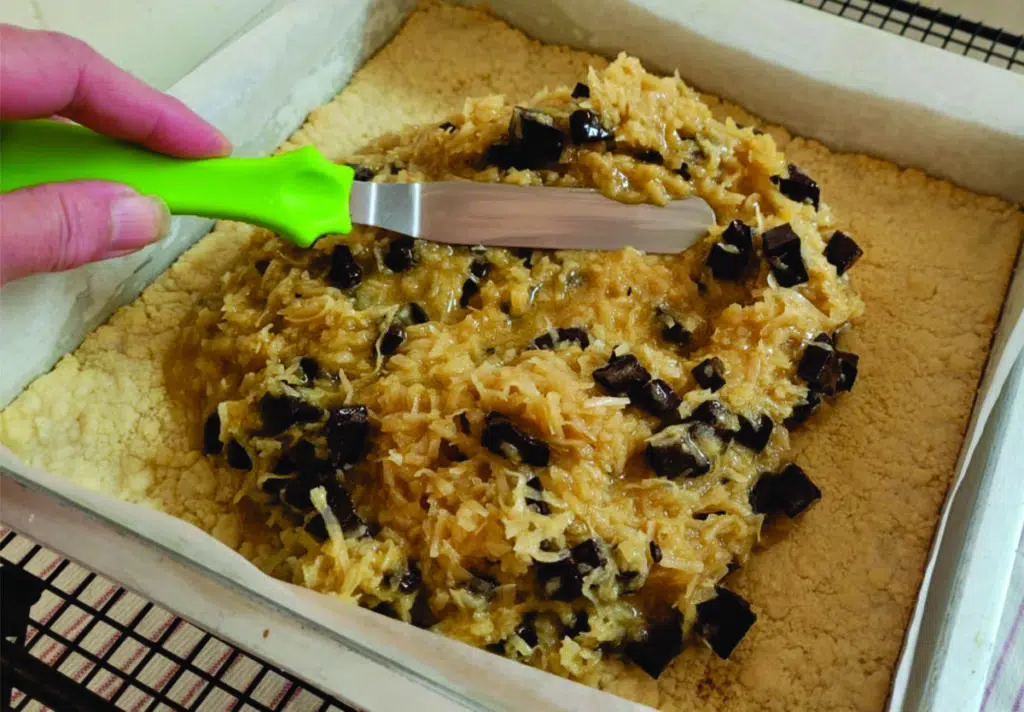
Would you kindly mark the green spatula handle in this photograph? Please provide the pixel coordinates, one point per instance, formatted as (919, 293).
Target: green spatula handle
(300, 195)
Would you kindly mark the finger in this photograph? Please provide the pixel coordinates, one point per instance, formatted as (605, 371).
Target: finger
(59, 226)
(44, 73)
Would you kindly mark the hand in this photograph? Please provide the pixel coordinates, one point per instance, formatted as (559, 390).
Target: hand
(58, 226)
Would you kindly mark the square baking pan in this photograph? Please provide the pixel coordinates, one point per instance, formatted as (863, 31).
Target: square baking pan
(908, 103)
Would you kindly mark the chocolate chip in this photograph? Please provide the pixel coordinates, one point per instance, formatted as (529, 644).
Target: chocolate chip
(281, 412)
(538, 505)
(847, 370)
(562, 337)
(580, 624)
(755, 433)
(304, 460)
(622, 375)
(656, 397)
(588, 554)
(417, 314)
(683, 171)
(385, 609)
(393, 338)
(411, 579)
(447, 127)
(585, 127)
(500, 435)
(296, 494)
(660, 643)
(674, 453)
(723, 621)
(237, 457)
(527, 630)
(317, 528)
(362, 173)
(525, 254)
(820, 367)
(710, 373)
(483, 585)
(782, 249)
(535, 484)
(344, 511)
(345, 273)
(479, 269)
(739, 235)
(798, 186)
(649, 155)
(401, 254)
(655, 552)
(803, 410)
(211, 435)
(347, 430)
(560, 580)
(533, 141)
(464, 423)
(421, 615)
(273, 485)
(710, 412)
(496, 648)
(261, 266)
(789, 492)
(727, 262)
(676, 334)
(309, 367)
(581, 91)
(470, 288)
(841, 251)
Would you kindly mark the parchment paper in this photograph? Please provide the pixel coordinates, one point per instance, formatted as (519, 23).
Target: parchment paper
(852, 87)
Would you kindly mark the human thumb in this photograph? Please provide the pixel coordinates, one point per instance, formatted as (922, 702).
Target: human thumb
(58, 226)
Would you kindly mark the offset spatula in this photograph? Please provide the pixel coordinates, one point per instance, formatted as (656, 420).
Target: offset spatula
(301, 195)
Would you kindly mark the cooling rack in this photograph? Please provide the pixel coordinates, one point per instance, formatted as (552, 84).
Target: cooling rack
(74, 641)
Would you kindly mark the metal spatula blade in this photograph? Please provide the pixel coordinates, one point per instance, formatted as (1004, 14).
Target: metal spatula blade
(494, 214)
(301, 196)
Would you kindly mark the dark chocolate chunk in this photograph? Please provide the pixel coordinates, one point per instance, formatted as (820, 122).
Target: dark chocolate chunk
(483, 585)
(739, 235)
(393, 338)
(527, 629)
(464, 423)
(804, 410)
(755, 433)
(479, 269)
(710, 373)
(345, 272)
(781, 247)
(261, 266)
(727, 262)
(211, 435)
(502, 155)
(281, 412)
(347, 430)
(789, 492)
(451, 452)
(649, 155)
(674, 453)
(847, 370)
(580, 624)
(581, 91)
(820, 367)
(362, 173)
(411, 579)
(341, 506)
(660, 643)
(562, 337)
(798, 186)
(841, 251)
(470, 288)
(417, 314)
(238, 458)
(385, 609)
(401, 254)
(525, 254)
(274, 485)
(622, 375)
(318, 530)
(304, 460)
(395, 169)
(560, 580)
(538, 505)
(533, 141)
(497, 648)
(710, 412)
(296, 494)
(447, 127)
(421, 615)
(723, 621)
(535, 484)
(683, 171)
(309, 367)
(588, 554)
(655, 552)
(499, 435)
(656, 397)
(585, 127)
(674, 332)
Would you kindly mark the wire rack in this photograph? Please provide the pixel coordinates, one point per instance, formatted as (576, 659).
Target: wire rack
(113, 650)
(933, 27)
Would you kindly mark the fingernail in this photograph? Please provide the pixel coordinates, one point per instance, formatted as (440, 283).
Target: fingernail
(137, 221)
